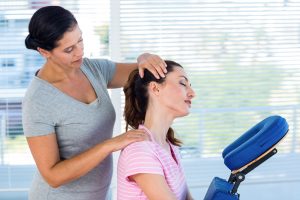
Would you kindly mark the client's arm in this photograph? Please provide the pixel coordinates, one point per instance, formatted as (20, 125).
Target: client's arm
(189, 196)
(154, 186)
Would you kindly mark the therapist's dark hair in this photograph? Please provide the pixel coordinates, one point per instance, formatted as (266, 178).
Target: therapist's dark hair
(136, 99)
(47, 26)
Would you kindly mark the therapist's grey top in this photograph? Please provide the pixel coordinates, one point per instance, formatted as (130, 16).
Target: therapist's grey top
(78, 127)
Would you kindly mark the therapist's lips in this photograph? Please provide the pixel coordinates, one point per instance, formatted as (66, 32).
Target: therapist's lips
(78, 61)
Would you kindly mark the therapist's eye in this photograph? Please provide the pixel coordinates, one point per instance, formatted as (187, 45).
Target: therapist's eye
(69, 50)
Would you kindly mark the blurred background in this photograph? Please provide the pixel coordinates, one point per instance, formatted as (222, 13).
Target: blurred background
(242, 57)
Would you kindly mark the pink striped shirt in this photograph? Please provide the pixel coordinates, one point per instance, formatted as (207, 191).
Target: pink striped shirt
(149, 157)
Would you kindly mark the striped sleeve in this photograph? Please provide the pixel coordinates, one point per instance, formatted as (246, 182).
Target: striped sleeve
(140, 157)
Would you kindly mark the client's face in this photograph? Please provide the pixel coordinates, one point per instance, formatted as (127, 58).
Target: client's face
(176, 93)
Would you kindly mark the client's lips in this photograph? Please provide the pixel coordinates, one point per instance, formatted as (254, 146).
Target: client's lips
(189, 102)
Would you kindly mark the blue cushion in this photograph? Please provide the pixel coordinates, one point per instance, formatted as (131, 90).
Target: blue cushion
(219, 189)
(255, 142)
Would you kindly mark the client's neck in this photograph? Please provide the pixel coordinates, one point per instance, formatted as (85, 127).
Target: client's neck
(159, 124)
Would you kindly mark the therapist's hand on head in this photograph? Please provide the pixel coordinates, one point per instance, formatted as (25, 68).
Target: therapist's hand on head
(155, 64)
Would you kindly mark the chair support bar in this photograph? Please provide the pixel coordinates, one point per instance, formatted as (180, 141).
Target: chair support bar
(239, 177)
(259, 162)
(236, 179)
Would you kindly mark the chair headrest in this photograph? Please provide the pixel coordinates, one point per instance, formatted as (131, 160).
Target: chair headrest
(255, 142)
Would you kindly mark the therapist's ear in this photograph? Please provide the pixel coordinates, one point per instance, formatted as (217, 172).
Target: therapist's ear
(43, 52)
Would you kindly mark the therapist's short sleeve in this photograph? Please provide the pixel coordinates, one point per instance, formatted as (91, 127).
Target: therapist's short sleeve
(36, 118)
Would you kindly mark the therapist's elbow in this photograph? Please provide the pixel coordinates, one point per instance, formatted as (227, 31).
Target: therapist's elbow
(53, 181)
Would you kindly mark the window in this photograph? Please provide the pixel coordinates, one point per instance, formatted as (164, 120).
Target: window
(243, 62)
(242, 58)
(8, 63)
(17, 67)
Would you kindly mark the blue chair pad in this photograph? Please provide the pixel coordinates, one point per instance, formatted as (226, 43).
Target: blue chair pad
(219, 189)
(255, 142)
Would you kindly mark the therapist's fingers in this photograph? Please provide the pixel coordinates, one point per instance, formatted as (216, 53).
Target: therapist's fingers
(154, 63)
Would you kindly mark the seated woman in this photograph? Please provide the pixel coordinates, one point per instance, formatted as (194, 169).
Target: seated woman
(151, 169)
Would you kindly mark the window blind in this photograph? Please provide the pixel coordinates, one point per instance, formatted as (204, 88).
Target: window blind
(17, 67)
(242, 58)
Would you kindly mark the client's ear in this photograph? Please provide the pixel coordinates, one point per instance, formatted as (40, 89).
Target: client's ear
(154, 88)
